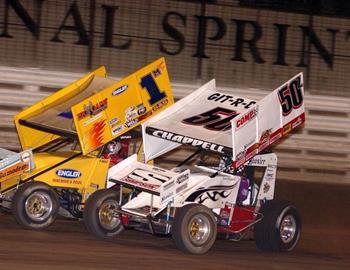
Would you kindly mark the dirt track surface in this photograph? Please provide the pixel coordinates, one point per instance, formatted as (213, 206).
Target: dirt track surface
(325, 242)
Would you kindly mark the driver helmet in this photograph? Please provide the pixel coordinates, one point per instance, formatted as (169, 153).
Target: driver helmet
(114, 147)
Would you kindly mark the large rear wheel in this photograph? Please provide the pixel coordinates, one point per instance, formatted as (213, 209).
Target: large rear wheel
(280, 228)
(194, 229)
(100, 215)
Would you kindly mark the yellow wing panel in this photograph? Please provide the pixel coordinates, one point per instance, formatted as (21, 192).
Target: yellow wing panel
(122, 106)
(32, 138)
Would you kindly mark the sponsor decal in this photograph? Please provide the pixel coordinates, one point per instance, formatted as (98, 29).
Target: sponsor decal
(120, 90)
(88, 122)
(159, 105)
(231, 100)
(114, 121)
(240, 155)
(139, 183)
(264, 139)
(275, 136)
(251, 153)
(287, 128)
(125, 137)
(67, 181)
(130, 113)
(156, 72)
(141, 109)
(116, 130)
(188, 140)
(182, 178)
(131, 122)
(14, 170)
(238, 163)
(244, 119)
(266, 187)
(245, 155)
(68, 173)
(145, 115)
(270, 173)
(297, 122)
(257, 161)
(264, 136)
(93, 109)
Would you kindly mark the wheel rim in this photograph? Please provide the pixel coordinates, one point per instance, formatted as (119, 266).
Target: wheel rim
(109, 220)
(288, 229)
(199, 229)
(38, 206)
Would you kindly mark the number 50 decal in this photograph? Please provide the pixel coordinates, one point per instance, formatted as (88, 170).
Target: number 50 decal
(291, 96)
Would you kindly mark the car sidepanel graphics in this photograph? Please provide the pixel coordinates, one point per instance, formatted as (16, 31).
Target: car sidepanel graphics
(170, 136)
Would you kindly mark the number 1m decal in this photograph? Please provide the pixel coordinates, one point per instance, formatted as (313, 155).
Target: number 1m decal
(151, 87)
(291, 96)
(212, 119)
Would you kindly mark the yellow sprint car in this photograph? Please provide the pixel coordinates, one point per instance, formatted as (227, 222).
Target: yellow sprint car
(64, 139)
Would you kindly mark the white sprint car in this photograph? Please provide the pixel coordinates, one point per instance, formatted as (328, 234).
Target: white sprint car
(230, 189)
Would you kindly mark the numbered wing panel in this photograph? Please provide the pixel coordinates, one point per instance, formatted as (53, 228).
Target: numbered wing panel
(122, 106)
(270, 119)
(201, 119)
(96, 109)
(223, 123)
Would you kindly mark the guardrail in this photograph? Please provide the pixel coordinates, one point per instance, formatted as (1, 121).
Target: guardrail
(320, 152)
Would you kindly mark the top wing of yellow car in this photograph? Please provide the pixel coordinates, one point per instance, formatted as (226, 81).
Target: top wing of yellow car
(96, 109)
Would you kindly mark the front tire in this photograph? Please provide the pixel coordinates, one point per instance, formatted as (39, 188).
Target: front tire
(194, 229)
(35, 205)
(280, 228)
(100, 218)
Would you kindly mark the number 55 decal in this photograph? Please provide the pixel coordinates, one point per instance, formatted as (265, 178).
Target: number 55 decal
(291, 96)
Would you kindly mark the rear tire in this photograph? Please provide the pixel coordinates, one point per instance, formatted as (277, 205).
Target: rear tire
(194, 229)
(35, 205)
(280, 228)
(99, 216)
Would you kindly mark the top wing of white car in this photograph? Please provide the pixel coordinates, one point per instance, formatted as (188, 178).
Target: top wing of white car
(224, 123)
